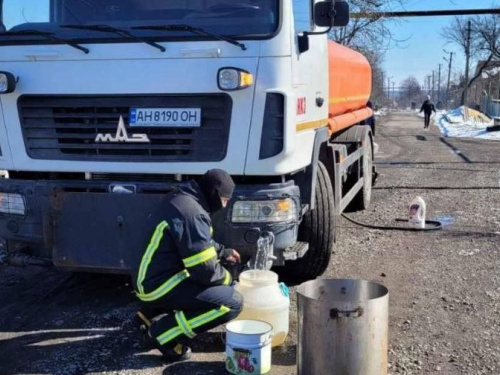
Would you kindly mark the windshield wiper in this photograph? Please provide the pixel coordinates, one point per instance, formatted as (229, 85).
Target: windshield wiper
(194, 30)
(46, 35)
(113, 30)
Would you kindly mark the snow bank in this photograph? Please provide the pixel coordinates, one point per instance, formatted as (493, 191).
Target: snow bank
(463, 114)
(381, 112)
(457, 123)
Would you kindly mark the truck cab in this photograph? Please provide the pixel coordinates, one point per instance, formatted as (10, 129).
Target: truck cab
(107, 105)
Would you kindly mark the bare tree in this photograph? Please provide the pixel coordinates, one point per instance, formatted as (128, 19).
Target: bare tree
(411, 88)
(456, 33)
(484, 42)
(375, 58)
(488, 30)
(365, 32)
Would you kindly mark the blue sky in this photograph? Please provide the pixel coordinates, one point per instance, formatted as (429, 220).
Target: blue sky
(31, 10)
(423, 51)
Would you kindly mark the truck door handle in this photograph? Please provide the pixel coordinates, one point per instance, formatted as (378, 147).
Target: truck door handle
(42, 55)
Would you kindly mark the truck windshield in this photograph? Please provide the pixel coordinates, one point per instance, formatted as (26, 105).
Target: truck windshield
(242, 19)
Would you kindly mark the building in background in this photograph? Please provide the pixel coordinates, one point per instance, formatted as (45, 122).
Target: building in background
(484, 93)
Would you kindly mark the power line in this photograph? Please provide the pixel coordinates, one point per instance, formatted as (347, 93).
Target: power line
(426, 13)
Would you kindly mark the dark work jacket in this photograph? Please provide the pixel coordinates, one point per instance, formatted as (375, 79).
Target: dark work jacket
(189, 233)
(428, 107)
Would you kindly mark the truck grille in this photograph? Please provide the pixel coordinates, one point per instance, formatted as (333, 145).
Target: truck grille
(65, 128)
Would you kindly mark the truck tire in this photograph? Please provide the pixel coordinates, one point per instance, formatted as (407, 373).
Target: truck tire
(318, 229)
(362, 199)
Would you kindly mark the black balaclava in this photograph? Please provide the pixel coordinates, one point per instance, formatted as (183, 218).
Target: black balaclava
(216, 184)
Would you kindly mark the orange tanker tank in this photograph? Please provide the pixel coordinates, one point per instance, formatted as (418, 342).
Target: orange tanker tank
(350, 83)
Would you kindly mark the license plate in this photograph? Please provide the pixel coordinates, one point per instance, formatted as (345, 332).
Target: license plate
(166, 117)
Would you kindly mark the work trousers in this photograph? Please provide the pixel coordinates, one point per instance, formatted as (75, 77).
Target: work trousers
(427, 119)
(192, 309)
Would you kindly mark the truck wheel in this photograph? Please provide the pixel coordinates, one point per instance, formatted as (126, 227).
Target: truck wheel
(362, 199)
(318, 229)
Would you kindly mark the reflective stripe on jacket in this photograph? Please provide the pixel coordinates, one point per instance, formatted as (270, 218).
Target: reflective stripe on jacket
(180, 246)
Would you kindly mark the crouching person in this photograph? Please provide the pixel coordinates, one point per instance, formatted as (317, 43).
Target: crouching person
(178, 277)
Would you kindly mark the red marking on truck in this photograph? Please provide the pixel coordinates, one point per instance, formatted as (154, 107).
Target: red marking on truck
(301, 106)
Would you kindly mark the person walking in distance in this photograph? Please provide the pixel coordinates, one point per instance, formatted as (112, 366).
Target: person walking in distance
(184, 288)
(427, 108)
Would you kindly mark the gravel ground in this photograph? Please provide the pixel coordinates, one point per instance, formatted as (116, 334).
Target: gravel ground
(444, 286)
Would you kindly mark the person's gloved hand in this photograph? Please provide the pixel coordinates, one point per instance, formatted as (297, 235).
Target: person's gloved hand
(231, 255)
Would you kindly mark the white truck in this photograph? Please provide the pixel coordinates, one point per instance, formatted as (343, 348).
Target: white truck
(106, 105)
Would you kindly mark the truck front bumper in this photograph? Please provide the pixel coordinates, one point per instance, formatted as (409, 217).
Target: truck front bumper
(81, 225)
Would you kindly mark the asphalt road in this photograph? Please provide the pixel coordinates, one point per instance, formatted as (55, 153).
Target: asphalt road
(444, 286)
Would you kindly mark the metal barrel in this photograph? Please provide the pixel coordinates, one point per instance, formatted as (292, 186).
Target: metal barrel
(343, 327)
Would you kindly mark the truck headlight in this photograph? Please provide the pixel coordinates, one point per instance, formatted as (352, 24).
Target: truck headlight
(12, 204)
(269, 211)
(230, 79)
(7, 82)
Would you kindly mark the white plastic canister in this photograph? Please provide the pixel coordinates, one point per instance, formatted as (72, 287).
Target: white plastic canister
(265, 299)
(248, 347)
(416, 215)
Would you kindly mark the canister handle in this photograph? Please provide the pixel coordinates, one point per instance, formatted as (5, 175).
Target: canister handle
(336, 313)
(284, 290)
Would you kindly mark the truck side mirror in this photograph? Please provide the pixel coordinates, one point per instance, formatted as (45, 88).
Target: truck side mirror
(326, 14)
(331, 13)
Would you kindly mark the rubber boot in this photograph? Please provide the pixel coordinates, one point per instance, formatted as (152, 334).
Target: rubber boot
(174, 353)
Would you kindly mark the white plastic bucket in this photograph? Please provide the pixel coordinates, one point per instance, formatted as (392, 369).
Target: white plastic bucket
(248, 347)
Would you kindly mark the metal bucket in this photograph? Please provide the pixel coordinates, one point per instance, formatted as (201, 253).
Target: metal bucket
(343, 328)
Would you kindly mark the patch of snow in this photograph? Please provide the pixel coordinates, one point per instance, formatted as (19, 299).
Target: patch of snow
(490, 72)
(455, 116)
(453, 124)
(381, 112)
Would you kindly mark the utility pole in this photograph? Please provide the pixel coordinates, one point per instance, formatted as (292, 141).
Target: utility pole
(389, 88)
(393, 90)
(467, 61)
(449, 79)
(433, 84)
(382, 78)
(439, 85)
(429, 84)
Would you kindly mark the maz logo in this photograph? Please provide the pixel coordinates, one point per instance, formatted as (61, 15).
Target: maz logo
(122, 136)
